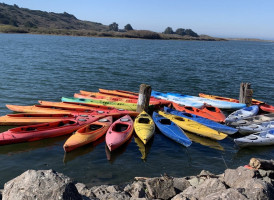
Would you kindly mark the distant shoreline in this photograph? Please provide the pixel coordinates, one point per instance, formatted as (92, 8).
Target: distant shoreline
(249, 39)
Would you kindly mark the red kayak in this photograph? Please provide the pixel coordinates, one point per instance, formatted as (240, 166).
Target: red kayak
(267, 107)
(119, 132)
(45, 130)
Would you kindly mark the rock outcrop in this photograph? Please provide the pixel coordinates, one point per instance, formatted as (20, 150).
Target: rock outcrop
(241, 183)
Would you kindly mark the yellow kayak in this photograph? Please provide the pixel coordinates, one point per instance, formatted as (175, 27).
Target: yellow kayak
(144, 127)
(194, 127)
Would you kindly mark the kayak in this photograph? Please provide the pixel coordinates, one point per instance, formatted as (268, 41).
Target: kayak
(184, 102)
(214, 111)
(87, 134)
(262, 138)
(32, 118)
(171, 130)
(144, 127)
(209, 123)
(119, 132)
(216, 103)
(120, 93)
(194, 127)
(242, 113)
(202, 113)
(45, 130)
(267, 108)
(253, 119)
(254, 101)
(254, 128)
(118, 105)
(37, 109)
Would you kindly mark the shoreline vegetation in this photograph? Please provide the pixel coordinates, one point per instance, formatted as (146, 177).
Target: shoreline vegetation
(22, 20)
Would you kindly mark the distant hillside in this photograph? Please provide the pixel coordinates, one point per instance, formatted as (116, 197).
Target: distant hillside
(22, 20)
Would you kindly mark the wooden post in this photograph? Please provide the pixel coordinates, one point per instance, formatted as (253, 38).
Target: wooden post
(246, 94)
(144, 97)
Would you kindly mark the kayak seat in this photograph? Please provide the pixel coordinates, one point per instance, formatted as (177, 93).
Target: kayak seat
(210, 108)
(120, 127)
(30, 129)
(189, 108)
(165, 121)
(144, 120)
(94, 127)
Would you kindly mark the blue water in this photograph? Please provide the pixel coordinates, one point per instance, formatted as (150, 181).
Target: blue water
(35, 67)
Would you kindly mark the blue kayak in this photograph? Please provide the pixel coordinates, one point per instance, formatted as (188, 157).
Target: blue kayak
(207, 122)
(185, 102)
(242, 113)
(171, 130)
(216, 103)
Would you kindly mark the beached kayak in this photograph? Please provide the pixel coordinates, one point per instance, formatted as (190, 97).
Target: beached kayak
(209, 123)
(184, 102)
(216, 116)
(208, 96)
(41, 131)
(171, 130)
(254, 128)
(216, 103)
(87, 134)
(119, 132)
(242, 113)
(144, 127)
(262, 138)
(118, 105)
(194, 127)
(253, 120)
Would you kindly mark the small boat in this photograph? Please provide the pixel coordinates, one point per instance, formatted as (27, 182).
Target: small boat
(144, 127)
(267, 108)
(88, 134)
(37, 109)
(242, 113)
(208, 96)
(171, 130)
(117, 104)
(45, 130)
(185, 102)
(253, 120)
(262, 138)
(214, 111)
(207, 122)
(203, 112)
(216, 103)
(194, 127)
(254, 128)
(119, 132)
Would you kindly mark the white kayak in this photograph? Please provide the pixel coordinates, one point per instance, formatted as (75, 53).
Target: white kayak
(254, 128)
(253, 119)
(242, 113)
(216, 103)
(262, 138)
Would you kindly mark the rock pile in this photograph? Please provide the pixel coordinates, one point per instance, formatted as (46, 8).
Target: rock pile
(240, 184)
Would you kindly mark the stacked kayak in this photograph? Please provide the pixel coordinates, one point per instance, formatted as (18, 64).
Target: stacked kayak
(257, 119)
(119, 132)
(194, 127)
(262, 138)
(144, 127)
(255, 127)
(206, 111)
(209, 123)
(87, 134)
(242, 113)
(216, 103)
(171, 130)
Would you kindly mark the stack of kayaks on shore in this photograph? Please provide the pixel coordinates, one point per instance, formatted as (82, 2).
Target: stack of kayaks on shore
(111, 114)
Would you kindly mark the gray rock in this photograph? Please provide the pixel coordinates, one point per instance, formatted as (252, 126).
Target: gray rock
(161, 188)
(208, 187)
(85, 192)
(41, 184)
(136, 189)
(228, 194)
(106, 192)
(180, 184)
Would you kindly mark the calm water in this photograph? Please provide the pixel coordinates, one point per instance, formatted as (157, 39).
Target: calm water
(37, 67)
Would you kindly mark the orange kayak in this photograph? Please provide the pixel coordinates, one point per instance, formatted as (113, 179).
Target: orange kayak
(200, 112)
(33, 118)
(214, 111)
(267, 108)
(120, 93)
(45, 130)
(36, 109)
(88, 134)
(254, 101)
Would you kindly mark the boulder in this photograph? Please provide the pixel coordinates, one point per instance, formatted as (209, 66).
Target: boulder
(136, 189)
(41, 184)
(180, 184)
(160, 188)
(85, 192)
(112, 192)
(225, 195)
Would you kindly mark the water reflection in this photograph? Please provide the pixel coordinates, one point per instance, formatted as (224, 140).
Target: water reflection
(144, 148)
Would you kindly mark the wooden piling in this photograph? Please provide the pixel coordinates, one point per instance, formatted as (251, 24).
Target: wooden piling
(144, 97)
(246, 94)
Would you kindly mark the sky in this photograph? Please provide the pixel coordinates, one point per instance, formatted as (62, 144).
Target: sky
(217, 18)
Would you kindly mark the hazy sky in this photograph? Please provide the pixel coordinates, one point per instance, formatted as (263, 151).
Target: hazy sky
(221, 18)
